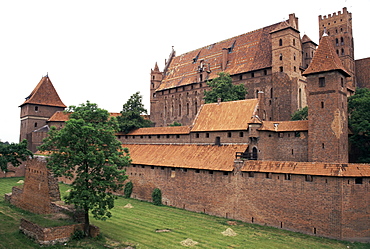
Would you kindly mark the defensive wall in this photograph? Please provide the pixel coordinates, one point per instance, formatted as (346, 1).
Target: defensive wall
(329, 200)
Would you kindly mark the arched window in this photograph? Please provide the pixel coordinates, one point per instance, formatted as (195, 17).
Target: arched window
(294, 57)
(336, 42)
(281, 57)
(280, 42)
(342, 51)
(341, 41)
(293, 42)
(254, 153)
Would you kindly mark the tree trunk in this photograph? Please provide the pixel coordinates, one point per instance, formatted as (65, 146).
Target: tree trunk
(87, 224)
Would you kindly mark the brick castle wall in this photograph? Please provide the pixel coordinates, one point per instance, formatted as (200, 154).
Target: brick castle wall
(333, 207)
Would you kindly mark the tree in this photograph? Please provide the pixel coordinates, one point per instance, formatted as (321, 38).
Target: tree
(223, 88)
(87, 151)
(13, 153)
(131, 115)
(301, 114)
(359, 123)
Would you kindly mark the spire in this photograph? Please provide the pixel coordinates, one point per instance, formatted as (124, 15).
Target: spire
(325, 59)
(156, 68)
(44, 94)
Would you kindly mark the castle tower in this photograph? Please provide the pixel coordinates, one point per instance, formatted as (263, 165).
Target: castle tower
(338, 26)
(308, 50)
(156, 77)
(327, 105)
(38, 107)
(287, 80)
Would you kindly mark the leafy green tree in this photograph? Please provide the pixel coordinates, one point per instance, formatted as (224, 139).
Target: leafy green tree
(223, 88)
(175, 124)
(359, 123)
(13, 153)
(131, 115)
(157, 197)
(301, 114)
(87, 151)
(128, 189)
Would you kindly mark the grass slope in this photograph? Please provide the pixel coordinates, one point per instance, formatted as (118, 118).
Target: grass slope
(137, 227)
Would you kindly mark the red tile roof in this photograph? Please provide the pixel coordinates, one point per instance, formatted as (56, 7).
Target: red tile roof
(226, 116)
(160, 130)
(309, 168)
(44, 94)
(59, 117)
(325, 58)
(281, 126)
(250, 51)
(208, 157)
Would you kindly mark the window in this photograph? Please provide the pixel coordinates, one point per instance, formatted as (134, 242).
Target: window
(342, 51)
(269, 175)
(287, 177)
(297, 133)
(281, 69)
(265, 72)
(321, 81)
(35, 124)
(158, 136)
(308, 178)
(281, 57)
(36, 108)
(229, 134)
(207, 135)
(358, 180)
(187, 108)
(336, 42)
(226, 173)
(252, 75)
(251, 174)
(293, 42)
(197, 135)
(342, 82)
(341, 41)
(197, 171)
(177, 136)
(280, 42)
(240, 77)
(323, 145)
(295, 69)
(322, 104)
(241, 134)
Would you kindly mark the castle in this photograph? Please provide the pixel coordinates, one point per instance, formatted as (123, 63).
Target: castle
(244, 159)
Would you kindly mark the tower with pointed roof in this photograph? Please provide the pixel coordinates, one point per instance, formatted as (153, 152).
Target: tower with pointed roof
(155, 80)
(338, 26)
(38, 107)
(327, 105)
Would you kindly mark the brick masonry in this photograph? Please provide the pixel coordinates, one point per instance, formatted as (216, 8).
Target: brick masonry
(334, 207)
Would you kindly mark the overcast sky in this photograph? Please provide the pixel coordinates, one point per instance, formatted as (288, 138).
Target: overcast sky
(103, 51)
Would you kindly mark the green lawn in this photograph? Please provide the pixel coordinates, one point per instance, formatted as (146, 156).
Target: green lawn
(137, 227)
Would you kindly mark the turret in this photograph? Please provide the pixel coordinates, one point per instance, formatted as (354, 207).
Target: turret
(327, 105)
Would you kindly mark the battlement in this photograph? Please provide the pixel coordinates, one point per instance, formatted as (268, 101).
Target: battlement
(340, 13)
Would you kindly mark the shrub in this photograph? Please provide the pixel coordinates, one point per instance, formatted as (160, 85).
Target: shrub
(128, 189)
(157, 197)
(78, 235)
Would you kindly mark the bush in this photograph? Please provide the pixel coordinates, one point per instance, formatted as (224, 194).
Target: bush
(78, 235)
(157, 197)
(128, 189)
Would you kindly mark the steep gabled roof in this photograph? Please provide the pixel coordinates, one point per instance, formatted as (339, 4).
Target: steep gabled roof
(225, 116)
(306, 39)
(59, 116)
(44, 94)
(208, 157)
(247, 52)
(281, 126)
(325, 59)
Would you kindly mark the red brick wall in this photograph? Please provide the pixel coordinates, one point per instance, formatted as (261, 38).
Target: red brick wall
(325, 207)
(363, 72)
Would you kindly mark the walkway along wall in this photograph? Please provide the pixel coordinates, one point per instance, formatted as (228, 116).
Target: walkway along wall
(260, 192)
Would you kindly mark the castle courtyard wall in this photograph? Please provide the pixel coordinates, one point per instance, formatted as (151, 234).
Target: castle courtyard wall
(334, 207)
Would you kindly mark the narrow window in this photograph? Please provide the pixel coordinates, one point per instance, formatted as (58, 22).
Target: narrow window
(177, 136)
(179, 109)
(240, 77)
(241, 134)
(201, 78)
(342, 82)
(229, 134)
(197, 135)
(207, 135)
(36, 124)
(187, 108)
(321, 81)
(268, 175)
(252, 75)
(322, 104)
(336, 42)
(308, 178)
(280, 42)
(281, 69)
(281, 57)
(197, 171)
(226, 173)
(293, 42)
(265, 72)
(158, 136)
(36, 108)
(342, 51)
(295, 69)
(323, 145)
(341, 41)
(287, 177)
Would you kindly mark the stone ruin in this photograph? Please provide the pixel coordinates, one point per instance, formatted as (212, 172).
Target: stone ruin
(40, 194)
